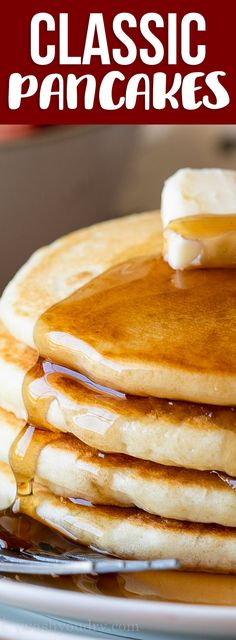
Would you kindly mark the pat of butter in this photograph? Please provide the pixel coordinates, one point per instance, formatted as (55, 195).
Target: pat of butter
(199, 218)
(201, 241)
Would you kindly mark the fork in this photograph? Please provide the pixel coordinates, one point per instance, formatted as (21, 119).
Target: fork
(73, 562)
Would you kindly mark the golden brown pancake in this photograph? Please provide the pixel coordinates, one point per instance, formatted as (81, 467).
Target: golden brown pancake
(173, 433)
(56, 271)
(10, 427)
(168, 432)
(144, 299)
(15, 359)
(7, 486)
(143, 329)
(71, 469)
(131, 533)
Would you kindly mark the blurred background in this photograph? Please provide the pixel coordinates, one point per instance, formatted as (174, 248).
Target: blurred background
(56, 179)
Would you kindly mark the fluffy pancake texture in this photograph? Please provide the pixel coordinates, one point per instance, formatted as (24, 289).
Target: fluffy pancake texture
(131, 533)
(156, 471)
(146, 330)
(69, 468)
(57, 270)
(10, 427)
(170, 433)
(15, 360)
(7, 486)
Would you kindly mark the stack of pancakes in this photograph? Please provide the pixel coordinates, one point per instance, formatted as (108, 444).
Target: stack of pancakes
(117, 394)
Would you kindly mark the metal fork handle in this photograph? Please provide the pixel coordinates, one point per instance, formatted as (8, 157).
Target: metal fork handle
(74, 567)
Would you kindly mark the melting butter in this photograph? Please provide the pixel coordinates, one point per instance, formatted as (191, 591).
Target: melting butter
(206, 241)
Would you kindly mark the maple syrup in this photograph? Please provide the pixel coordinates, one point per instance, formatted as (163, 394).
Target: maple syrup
(201, 241)
(127, 305)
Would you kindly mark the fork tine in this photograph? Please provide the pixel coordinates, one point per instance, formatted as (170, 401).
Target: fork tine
(18, 564)
(45, 568)
(108, 565)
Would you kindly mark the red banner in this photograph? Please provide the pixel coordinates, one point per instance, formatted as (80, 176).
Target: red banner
(123, 62)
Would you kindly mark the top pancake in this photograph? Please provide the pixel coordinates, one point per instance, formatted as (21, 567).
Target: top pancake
(56, 271)
(145, 329)
(139, 327)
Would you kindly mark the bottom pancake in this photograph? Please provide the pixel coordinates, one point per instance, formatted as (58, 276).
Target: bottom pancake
(131, 533)
(7, 486)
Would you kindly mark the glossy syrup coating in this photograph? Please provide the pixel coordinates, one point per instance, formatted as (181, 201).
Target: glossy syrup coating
(190, 435)
(144, 329)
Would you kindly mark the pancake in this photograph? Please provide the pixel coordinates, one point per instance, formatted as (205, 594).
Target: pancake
(187, 357)
(10, 427)
(143, 329)
(7, 486)
(171, 433)
(15, 360)
(56, 271)
(67, 467)
(131, 533)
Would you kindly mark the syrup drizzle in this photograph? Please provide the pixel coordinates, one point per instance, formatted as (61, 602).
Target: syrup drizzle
(60, 323)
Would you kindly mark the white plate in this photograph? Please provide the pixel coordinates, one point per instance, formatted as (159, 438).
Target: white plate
(24, 625)
(122, 614)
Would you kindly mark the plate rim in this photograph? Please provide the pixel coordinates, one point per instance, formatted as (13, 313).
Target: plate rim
(24, 630)
(145, 614)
